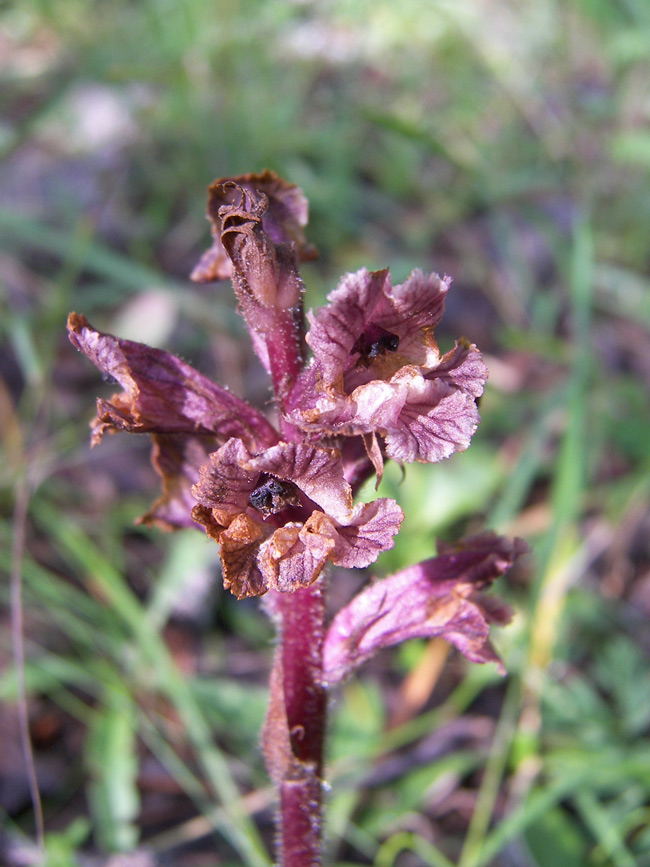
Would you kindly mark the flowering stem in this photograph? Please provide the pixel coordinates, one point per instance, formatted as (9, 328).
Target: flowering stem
(301, 617)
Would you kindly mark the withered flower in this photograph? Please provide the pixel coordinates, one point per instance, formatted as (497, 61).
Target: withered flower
(284, 215)
(281, 514)
(257, 226)
(187, 415)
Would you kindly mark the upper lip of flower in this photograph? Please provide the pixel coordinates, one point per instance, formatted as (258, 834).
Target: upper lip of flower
(163, 394)
(187, 414)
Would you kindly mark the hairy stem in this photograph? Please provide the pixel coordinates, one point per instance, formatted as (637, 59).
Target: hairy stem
(296, 720)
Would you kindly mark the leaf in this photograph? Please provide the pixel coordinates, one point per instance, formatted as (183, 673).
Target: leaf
(555, 839)
(111, 755)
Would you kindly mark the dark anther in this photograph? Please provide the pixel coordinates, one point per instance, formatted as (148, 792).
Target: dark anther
(273, 495)
(375, 341)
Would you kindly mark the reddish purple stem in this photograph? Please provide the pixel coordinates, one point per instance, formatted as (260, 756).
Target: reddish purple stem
(301, 634)
(285, 344)
(302, 614)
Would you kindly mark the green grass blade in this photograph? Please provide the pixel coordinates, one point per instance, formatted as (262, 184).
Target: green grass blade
(89, 560)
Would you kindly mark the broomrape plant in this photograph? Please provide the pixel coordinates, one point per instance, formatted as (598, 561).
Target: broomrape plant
(279, 498)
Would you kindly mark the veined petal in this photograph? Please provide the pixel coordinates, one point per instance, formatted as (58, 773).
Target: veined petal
(370, 325)
(462, 367)
(336, 327)
(422, 416)
(439, 597)
(370, 530)
(163, 394)
(434, 421)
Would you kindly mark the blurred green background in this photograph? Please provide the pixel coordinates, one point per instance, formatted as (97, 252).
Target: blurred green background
(504, 143)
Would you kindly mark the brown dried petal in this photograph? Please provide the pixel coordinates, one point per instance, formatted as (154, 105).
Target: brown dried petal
(438, 597)
(240, 543)
(283, 221)
(264, 274)
(295, 554)
(276, 743)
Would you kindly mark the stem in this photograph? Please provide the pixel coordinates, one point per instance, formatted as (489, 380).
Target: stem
(285, 344)
(301, 619)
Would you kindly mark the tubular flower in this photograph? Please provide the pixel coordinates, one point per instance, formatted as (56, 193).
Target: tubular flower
(377, 370)
(281, 514)
(257, 226)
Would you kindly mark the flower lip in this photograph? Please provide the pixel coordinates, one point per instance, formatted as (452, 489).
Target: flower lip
(441, 596)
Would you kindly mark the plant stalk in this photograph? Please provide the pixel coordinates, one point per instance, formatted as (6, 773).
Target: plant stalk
(299, 659)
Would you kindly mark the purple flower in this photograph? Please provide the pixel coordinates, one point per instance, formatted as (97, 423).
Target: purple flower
(438, 597)
(280, 501)
(377, 369)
